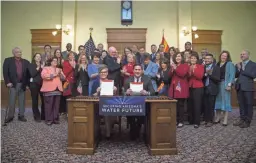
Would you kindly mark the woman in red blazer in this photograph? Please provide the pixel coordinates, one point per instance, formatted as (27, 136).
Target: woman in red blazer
(179, 85)
(196, 90)
(68, 70)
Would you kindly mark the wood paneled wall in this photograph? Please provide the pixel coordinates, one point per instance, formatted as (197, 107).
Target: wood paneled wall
(44, 36)
(121, 38)
(209, 39)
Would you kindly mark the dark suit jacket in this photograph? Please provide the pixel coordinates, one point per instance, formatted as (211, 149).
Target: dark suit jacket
(10, 72)
(214, 80)
(245, 77)
(82, 76)
(147, 84)
(35, 74)
(95, 85)
(113, 69)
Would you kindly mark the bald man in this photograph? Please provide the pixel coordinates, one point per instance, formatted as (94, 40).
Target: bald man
(245, 74)
(113, 62)
(16, 78)
(69, 49)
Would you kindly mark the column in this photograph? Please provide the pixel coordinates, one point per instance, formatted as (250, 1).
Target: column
(184, 20)
(68, 18)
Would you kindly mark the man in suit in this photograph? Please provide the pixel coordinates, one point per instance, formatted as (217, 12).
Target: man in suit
(113, 63)
(153, 50)
(136, 122)
(135, 51)
(100, 47)
(16, 77)
(81, 50)
(65, 53)
(150, 69)
(188, 47)
(211, 80)
(161, 51)
(245, 73)
(47, 54)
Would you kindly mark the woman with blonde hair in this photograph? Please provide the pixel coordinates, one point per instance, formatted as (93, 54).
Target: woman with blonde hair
(81, 76)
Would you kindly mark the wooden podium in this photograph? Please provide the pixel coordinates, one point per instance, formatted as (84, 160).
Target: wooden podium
(84, 126)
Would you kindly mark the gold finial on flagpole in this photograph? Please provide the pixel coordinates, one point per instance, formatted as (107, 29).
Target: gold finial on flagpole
(91, 29)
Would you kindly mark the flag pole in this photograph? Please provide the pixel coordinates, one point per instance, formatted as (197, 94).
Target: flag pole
(163, 31)
(91, 29)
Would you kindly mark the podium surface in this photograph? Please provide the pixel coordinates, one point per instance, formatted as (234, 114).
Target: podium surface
(84, 125)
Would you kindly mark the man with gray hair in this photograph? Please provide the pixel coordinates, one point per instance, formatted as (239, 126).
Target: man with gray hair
(16, 78)
(113, 63)
(245, 74)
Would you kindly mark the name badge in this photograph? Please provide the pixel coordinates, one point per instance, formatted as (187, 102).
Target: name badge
(31, 80)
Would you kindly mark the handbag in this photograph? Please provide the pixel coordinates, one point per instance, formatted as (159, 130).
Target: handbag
(66, 87)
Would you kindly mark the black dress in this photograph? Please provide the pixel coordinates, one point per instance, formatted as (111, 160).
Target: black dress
(82, 80)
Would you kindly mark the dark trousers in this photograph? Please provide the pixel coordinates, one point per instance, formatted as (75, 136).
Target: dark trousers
(209, 102)
(63, 105)
(135, 125)
(35, 91)
(245, 100)
(195, 105)
(180, 110)
(85, 90)
(51, 104)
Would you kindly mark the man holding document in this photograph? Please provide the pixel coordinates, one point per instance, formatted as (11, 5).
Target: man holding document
(140, 85)
(105, 87)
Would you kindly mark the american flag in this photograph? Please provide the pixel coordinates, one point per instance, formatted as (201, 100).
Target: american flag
(89, 46)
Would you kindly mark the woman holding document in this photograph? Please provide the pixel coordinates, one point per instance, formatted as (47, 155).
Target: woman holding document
(99, 88)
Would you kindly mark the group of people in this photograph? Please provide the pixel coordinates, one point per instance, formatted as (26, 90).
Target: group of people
(200, 84)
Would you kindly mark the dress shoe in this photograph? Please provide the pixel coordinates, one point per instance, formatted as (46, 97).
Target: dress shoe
(180, 125)
(48, 123)
(22, 119)
(56, 122)
(196, 126)
(238, 122)
(209, 124)
(223, 124)
(216, 122)
(244, 125)
(8, 120)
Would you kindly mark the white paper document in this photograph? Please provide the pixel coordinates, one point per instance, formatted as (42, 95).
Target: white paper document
(136, 87)
(107, 88)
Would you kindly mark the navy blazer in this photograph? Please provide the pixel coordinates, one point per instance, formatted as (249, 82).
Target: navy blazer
(245, 78)
(214, 80)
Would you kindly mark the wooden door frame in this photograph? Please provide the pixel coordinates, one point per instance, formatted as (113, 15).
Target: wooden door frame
(131, 35)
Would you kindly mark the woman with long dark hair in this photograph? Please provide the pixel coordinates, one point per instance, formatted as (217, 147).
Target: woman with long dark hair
(35, 69)
(196, 89)
(58, 55)
(163, 79)
(179, 85)
(227, 77)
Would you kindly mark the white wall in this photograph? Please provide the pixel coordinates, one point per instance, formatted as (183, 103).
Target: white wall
(151, 15)
(236, 19)
(17, 20)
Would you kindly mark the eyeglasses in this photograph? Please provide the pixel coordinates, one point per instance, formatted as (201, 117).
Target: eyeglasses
(103, 72)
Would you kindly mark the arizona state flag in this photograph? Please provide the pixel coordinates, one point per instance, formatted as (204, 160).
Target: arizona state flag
(166, 46)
